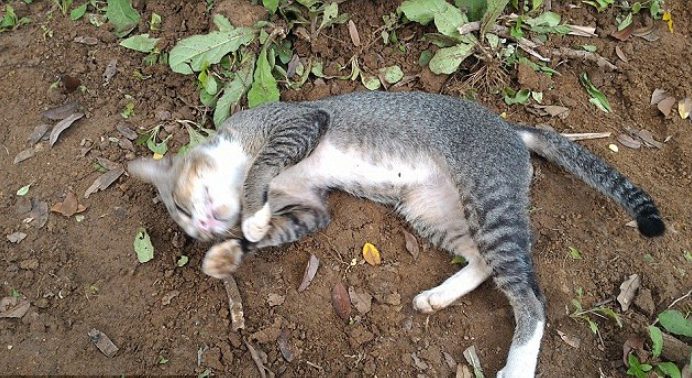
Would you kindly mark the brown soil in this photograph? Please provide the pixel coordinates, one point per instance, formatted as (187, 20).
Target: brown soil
(84, 275)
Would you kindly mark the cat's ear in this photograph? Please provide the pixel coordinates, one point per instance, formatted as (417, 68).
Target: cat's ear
(321, 117)
(152, 171)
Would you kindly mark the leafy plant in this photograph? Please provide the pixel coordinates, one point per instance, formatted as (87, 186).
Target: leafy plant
(78, 12)
(11, 21)
(636, 368)
(264, 88)
(597, 97)
(63, 5)
(585, 315)
(123, 17)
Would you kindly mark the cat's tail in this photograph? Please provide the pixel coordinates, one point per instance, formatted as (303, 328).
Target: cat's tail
(578, 161)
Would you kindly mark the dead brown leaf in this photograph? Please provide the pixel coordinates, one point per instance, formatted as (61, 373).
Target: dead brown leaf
(628, 141)
(658, 95)
(24, 155)
(310, 271)
(69, 206)
(411, 244)
(16, 237)
(634, 344)
(551, 111)
(109, 165)
(274, 299)
(62, 126)
(353, 31)
(341, 301)
(361, 301)
(572, 341)
(624, 34)
(61, 112)
(37, 213)
(685, 107)
(666, 105)
(168, 297)
(11, 307)
(371, 255)
(621, 54)
(102, 342)
(628, 289)
(104, 181)
(38, 133)
(110, 71)
(125, 130)
(648, 139)
(649, 33)
(285, 347)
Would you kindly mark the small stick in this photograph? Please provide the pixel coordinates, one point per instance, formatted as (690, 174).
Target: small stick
(258, 361)
(680, 299)
(586, 136)
(235, 305)
(318, 367)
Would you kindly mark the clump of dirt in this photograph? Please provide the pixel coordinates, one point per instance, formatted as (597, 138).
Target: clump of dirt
(170, 319)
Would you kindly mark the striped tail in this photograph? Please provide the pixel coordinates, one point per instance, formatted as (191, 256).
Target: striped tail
(592, 170)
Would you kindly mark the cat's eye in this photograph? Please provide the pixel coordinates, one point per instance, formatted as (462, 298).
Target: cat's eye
(181, 209)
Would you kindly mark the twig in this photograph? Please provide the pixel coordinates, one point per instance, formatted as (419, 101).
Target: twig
(318, 367)
(585, 55)
(586, 136)
(680, 299)
(235, 305)
(263, 370)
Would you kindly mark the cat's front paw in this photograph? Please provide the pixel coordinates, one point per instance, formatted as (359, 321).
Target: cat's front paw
(431, 300)
(256, 226)
(223, 259)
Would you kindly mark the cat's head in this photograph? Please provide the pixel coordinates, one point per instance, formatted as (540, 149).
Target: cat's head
(201, 190)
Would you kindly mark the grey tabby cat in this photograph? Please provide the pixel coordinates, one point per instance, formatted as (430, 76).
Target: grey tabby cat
(457, 172)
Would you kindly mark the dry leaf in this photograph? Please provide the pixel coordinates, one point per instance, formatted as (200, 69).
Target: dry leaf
(613, 147)
(341, 301)
(572, 341)
(582, 31)
(284, 347)
(38, 213)
(620, 54)
(235, 304)
(292, 66)
(110, 71)
(109, 165)
(666, 105)
(37, 134)
(62, 125)
(275, 300)
(167, 298)
(353, 31)
(411, 244)
(125, 130)
(624, 34)
(551, 111)
(628, 290)
(658, 95)
(61, 112)
(472, 358)
(634, 344)
(628, 141)
(648, 138)
(361, 301)
(310, 271)
(69, 206)
(685, 107)
(371, 254)
(648, 33)
(16, 237)
(104, 181)
(11, 307)
(102, 342)
(24, 155)
(463, 371)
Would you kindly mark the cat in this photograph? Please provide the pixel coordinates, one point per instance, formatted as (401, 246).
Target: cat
(458, 173)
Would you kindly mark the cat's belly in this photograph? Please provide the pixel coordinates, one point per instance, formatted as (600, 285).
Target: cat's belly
(364, 174)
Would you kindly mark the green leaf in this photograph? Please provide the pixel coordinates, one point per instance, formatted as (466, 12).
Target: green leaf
(669, 369)
(193, 53)
(392, 74)
(495, 8)
(688, 256)
(597, 97)
(458, 260)
(331, 11)
(574, 253)
(447, 60)
(155, 23)
(143, 247)
(235, 89)
(142, 43)
(474, 9)
(636, 7)
(196, 138)
(158, 148)
(656, 341)
(222, 23)
(78, 12)
(370, 82)
(264, 88)
(674, 322)
(123, 17)
(447, 17)
(517, 97)
(24, 190)
(589, 48)
(625, 23)
(182, 261)
(425, 57)
(271, 5)
(211, 86)
(548, 19)
(607, 311)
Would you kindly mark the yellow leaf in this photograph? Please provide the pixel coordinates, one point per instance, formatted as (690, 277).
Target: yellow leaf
(668, 17)
(157, 156)
(685, 107)
(371, 254)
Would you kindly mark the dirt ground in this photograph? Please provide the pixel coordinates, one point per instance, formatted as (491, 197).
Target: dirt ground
(175, 320)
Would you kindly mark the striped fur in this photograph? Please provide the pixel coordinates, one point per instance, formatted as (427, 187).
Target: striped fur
(456, 172)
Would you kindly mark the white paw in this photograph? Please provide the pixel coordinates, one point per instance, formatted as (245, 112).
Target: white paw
(222, 259)
(431, 301)
(257, 226)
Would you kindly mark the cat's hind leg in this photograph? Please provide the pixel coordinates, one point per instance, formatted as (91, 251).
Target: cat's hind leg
(435, 212)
